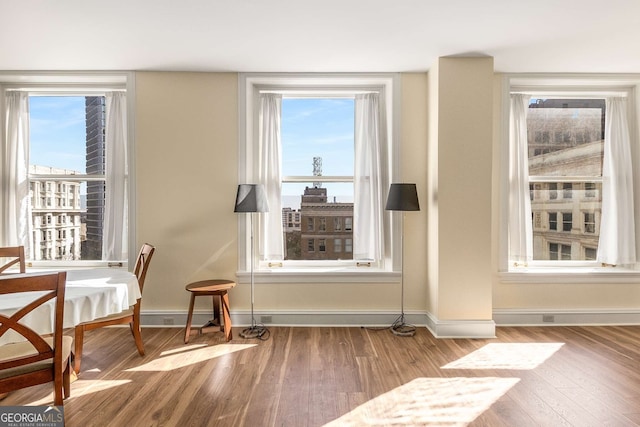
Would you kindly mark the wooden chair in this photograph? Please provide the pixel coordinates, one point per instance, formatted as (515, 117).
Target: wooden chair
(130, 316)
(35, 359)
(15, 255)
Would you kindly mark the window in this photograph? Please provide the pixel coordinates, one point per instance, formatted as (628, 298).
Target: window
(553, 221)
(570, 144)
(67, 144)
(571, 131)
(567, 221)
(321, 147)
(589, 222)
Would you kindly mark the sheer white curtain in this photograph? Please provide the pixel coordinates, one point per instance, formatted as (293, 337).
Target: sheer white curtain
(114, 243)
(617, 229)
(370, 130)
(519, 221)
(270, 174)
(14, 163)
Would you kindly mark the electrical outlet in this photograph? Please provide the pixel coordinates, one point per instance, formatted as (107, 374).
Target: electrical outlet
(548, 318)
(167, 321)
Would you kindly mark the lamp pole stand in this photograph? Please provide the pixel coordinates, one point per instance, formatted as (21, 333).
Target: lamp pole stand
(399, 327)
(255, 330)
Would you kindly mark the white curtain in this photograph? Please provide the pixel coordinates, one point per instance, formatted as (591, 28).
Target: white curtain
(519, 221)
(114, 243)
(617, 229)
(370, 131)
(14, 163)
(270, 175)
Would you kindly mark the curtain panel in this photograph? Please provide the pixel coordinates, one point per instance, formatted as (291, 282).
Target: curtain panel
(370, 136)
(14, 163)
(520, 229)
(617, 228)
(270, 175)
(114, 243)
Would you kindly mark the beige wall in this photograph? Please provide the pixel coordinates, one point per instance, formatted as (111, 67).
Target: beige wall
(186, 170)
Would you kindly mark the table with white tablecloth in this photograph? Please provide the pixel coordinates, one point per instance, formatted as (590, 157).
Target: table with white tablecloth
(89, 294)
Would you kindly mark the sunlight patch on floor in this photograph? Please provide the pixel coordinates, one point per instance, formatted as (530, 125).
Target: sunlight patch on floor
(172, 360)
(81, 388)
(520, 356)
(429, 402)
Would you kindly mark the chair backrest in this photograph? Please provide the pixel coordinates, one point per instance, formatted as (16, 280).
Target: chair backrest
(15, 255)
(142, 263)
(51, 286)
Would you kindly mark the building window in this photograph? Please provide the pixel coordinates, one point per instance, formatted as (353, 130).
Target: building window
(589, 189)
(310, 225)
(348, 224)
(590, 254)
(567, 221)
(322, 245)
(553, 221)
(589, 222)
(311, 245)
(318, 154)
(567, 190)
(553, 191)
(559, 251)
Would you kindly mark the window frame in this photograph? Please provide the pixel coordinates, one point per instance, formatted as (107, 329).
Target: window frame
(325, 85)
(566, 86)
(83, 84)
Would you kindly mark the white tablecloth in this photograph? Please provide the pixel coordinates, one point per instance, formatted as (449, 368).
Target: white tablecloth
(89, 294)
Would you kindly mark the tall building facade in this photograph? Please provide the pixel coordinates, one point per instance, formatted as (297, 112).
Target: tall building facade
(95, 161)
(326, 228)
(55, 216)
(565, 141)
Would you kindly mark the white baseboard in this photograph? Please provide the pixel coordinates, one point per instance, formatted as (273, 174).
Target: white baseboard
(283, 318)
(566, 317)
(461, 328)
(439, 328)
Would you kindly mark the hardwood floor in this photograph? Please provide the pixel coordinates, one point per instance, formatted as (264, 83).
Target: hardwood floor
(540, 376)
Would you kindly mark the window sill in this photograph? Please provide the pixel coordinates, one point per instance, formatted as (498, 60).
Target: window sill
(320, 275)
(570, 275)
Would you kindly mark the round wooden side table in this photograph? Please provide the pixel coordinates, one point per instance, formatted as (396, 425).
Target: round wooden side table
(218, 290)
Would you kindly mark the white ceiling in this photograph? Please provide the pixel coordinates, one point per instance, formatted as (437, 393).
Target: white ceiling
(319, 35)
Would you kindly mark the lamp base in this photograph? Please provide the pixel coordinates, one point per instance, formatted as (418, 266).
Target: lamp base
(253, 332)
(403, 330)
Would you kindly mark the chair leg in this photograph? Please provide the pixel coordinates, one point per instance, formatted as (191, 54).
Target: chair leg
(135, 329)
(66, 379)
(78, 349)
(187, 329)
(57, 390)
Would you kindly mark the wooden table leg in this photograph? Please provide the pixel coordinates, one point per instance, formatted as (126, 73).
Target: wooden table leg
(187, 330)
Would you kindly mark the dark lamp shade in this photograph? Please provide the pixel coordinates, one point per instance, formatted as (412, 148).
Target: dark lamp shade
(251, 198)
(402, 197)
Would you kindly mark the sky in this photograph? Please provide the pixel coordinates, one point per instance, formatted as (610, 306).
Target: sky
(317, 128)
(57, 132)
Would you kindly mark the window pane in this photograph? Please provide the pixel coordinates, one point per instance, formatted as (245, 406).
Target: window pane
(66, 139)
(317, 141)
(565, 139)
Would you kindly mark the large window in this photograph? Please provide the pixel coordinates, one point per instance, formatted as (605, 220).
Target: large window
(65, 169)
(324, 148)
(571, 155)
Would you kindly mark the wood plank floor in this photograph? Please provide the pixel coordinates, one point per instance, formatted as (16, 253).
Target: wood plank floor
(540, 376)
